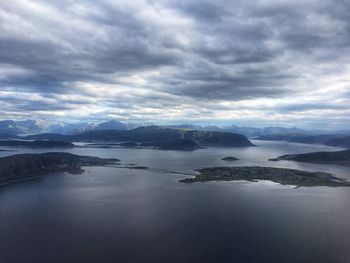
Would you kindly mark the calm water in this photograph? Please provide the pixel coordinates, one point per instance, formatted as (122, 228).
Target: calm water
(119, 215)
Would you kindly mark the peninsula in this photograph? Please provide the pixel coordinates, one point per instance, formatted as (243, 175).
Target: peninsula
(36, 144)
(337, 157)
(29, 166)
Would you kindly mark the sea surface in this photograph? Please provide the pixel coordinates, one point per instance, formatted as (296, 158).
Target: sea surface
(111, 214)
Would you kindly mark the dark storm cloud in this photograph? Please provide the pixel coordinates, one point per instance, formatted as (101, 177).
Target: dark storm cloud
(210, 84)
(167, 54)
(23, 102)
(30, 106)
(125, 45)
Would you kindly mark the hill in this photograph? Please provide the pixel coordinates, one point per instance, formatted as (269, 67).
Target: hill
(176, 144)
(277, 175)
(29, 166)
(337, 140)
(338, 157)
(152, 135)
(36, 144)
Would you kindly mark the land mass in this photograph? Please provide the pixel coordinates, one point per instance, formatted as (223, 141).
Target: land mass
(338, 157)
(28, 166)
(37, 144)
(177, 144)
(335, 140)
(277, 175)
(155, 136)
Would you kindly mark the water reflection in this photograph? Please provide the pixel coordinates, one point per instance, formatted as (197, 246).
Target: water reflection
(120, 215)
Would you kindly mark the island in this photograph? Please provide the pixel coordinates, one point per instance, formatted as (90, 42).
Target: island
(36, 144)
(277, 175)
(29, 166)
(337, 157)
(230, 159)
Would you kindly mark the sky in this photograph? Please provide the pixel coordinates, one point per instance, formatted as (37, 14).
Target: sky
(253, 63)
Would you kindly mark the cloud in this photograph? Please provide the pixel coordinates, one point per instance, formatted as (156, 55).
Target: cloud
(157, 60)
(312, 106)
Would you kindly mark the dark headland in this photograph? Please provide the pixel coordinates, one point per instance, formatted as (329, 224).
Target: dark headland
(277, 175)
(336, 140)
(28, 166)
(36, 144)
(338, 157)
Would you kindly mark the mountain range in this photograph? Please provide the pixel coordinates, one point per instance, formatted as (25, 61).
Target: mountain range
(27, 127)
(336, 140)
(152, 136)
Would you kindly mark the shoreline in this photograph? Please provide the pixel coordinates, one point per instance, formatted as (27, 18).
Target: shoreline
(21, 180)
(283, 176)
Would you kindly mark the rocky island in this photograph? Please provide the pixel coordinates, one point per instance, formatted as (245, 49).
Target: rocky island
(28, 166)
(338, 157)
(277, 175)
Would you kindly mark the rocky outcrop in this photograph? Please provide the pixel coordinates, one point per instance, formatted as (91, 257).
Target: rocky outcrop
(27, 166)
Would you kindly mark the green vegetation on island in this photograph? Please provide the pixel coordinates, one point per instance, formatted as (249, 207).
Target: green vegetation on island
(337, 157)
(335, 140)
(28, 166)
(36, 144)
(177, 144)
(277, 175)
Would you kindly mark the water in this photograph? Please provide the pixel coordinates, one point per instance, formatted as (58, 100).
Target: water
(119, 215)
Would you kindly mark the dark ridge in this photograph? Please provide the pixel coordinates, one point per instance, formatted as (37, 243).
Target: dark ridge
(28, 166)
(153, 135)
(37, 144)
(210, 138)
(338, 157)
(48, 136)
(6, 136)
(177, 144)
(277, 175)
(339, 142)
(335, 140)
